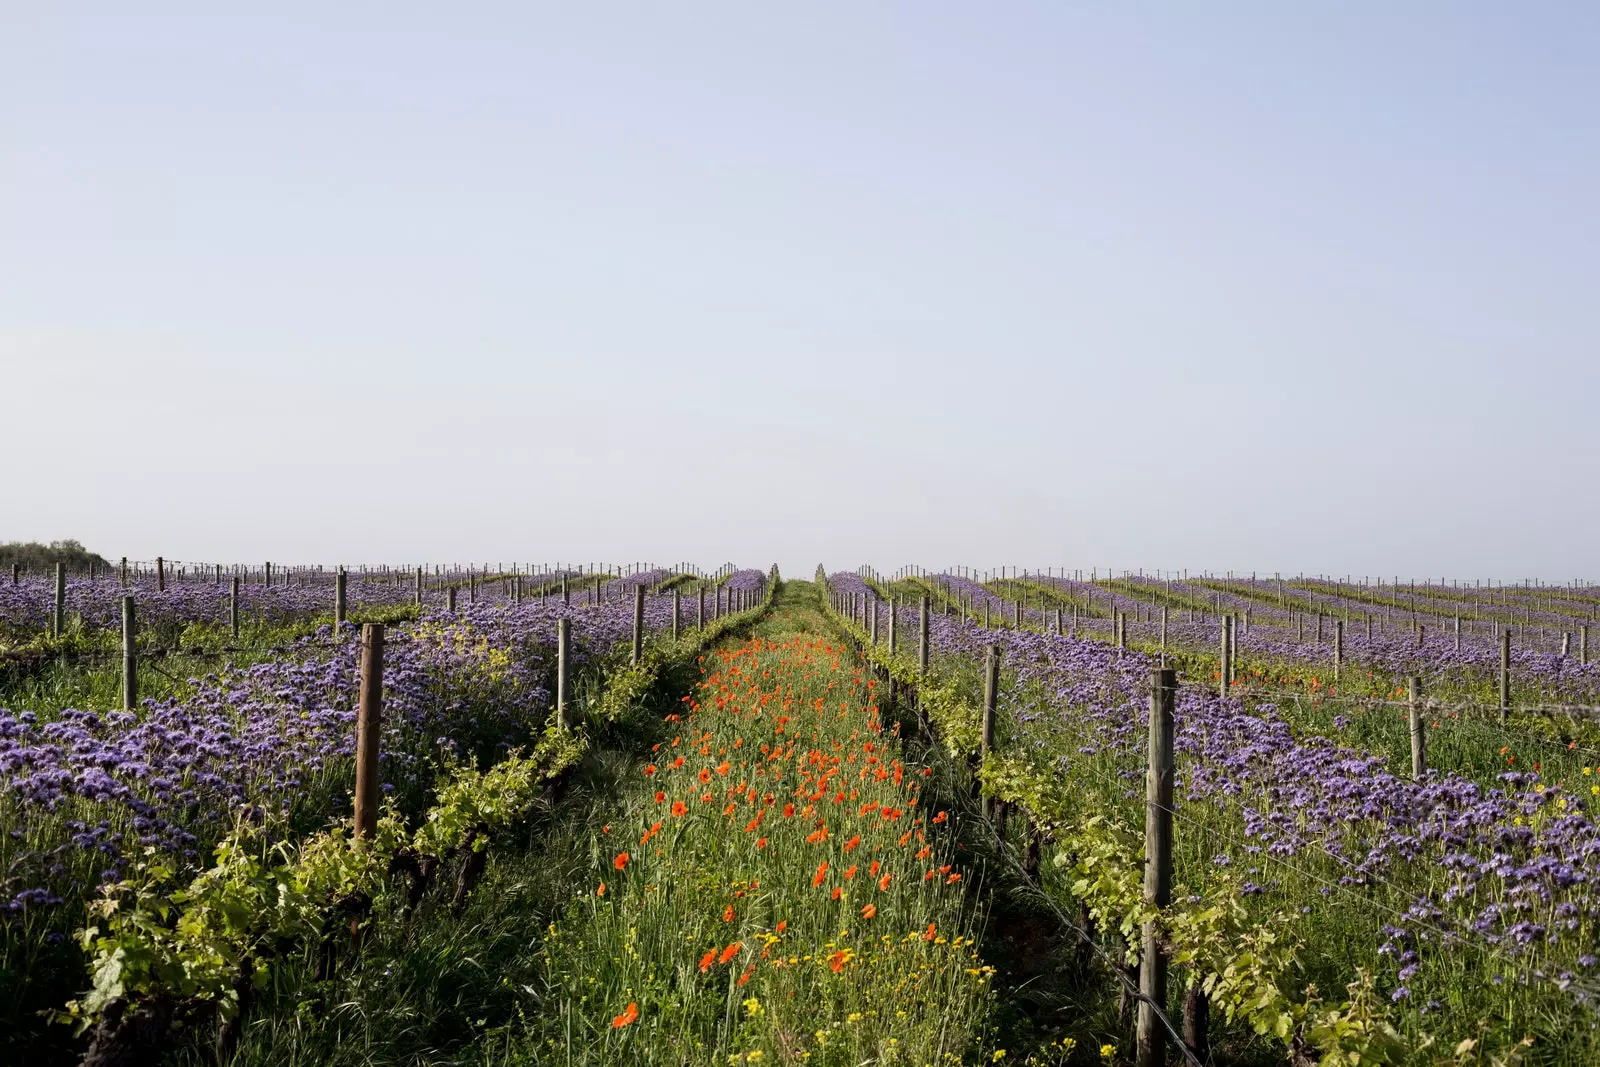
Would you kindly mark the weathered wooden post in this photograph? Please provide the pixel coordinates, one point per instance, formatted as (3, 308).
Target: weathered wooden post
(563, 656)
(1225, 660)
(1583, 643)
(1505, 673)
(1458, 633)
(1150, 1038)
(638, 622)
(369, 723)
(677, 609)
(130, 662)
(1338, 647)
(922, 637)
(700, 611)
(161, 575)
(419, 587)
(233, 606)
(1419, 739)
(991, 696)
(123, 575)
(58, 622)
(894, 623)
(450, 600)
(339, 601)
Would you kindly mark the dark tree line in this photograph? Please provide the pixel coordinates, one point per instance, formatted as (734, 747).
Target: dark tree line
(34, 556)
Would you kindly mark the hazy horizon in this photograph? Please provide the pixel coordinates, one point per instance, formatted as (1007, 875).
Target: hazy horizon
(1251, 288)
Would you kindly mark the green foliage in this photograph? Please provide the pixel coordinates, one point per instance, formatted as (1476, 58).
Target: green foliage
(195, 942)
(34, 556)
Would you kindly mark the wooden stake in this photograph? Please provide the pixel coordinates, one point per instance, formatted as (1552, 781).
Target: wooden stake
(922, 637)
(369, 723)
(161, 575)
(59, 620)
(1419, 739)
(1225, 660)
(233, 606)
(339, 600)
(991, 695)
(563, 654)
(1150, 1036)
(1505, 673)
(130, 662)
(638, 622)
(1338, 647)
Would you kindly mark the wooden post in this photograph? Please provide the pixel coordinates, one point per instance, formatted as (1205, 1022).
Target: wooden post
(991, 696)
(638, 622)
(922, 637)
(1419, 739)
(266, 573)
(450, 600)
(124, 578)
(563, 654)
(233, 606)
(1566, 644)
(1458, 633)
(419, 587)
(1225, 659)
(339, 602)
(1338, 647)
(59, 620)
(130, 663)
(1505, 673)
(894, 605)
(161, 575)
(1150, 1036)
(1121, 621)
(1583, 643)
(677, 609)
(872, 620)
(369, 723)
(700, 611)
(1163, 628)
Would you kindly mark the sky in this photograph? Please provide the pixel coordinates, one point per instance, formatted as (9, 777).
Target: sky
(1244, 286)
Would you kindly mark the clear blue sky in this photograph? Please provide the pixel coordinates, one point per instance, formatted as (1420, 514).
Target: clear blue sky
(1249, 285)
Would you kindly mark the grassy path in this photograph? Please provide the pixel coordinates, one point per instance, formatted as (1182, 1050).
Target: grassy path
(771, 889)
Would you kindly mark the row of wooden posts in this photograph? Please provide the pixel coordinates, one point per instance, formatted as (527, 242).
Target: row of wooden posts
(1151, 1026)
(736, 599)
(369, 714)
(725, 602)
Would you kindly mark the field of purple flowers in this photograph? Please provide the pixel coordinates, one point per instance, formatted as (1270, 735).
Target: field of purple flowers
(1468, 896)
(266, 725)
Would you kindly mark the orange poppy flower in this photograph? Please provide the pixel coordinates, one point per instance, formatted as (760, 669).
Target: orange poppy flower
(621, 861)
(869, 911)
(707, 960)
(727, 914)
(627, 1017)
(679, 809)
(730, 952)
(883, 883)
(822, 872)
